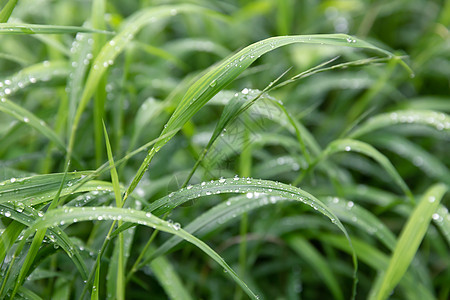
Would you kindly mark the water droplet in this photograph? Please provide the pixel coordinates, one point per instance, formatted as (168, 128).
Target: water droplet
(148, 215)
(176, 226)
(7, 91)
(432, 199)
(249, 195)
(245, 91)
(350, 204)
(347, 148)
(7, 214)
(213, 83)
(20, 207)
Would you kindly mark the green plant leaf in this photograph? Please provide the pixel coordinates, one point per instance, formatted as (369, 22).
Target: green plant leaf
(54, 217)
(225, 72)
(437, 120)
(27, 117)
(409, 241)
(346, 145)
(6, 11)
(10, 28)
(308, 253)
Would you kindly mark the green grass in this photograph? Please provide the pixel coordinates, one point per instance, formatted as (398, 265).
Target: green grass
(224, 149)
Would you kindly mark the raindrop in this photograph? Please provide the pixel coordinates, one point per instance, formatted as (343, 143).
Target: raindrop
(245, 91)
(222, 180)
(249, 195)
(347, 148)
(213, 83)
(20, 207)
(176, 226)
(350, 204)
(432, 199)
(7, 214)
(12, 180)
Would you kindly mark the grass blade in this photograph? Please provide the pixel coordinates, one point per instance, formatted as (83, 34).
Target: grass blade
(352, 213)
(120, 278)
(377, 260)
(38, 189)
(27, 117)
(54, 217)
(7, 10)
(409, 241)
(252, 188)
(346, 145)
(308, 253)
(169, 279)
(115, 46)
(43, 71)
(438, 120)
(224, 73)
(9, 28)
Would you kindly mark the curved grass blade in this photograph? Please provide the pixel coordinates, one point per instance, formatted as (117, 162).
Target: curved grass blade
(378, 261)
(26, 216)
(8, 237)
(218, 216)
(345, 145)
(43, 71)
(308, 253)
(10, 28)
(169, 279)
(41, 188)
(224, 73)
(409, 241)
(27, 117)
(56, 216)
(115, 46)
(438, 120)
(441, 219)
(252, 188)
(418, 156)
(348, 211)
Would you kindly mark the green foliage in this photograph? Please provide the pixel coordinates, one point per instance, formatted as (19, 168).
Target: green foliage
(301, 165)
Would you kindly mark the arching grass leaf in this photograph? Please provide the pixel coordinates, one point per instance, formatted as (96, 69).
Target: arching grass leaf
(409, 241)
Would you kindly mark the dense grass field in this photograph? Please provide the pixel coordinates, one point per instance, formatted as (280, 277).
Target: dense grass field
(206, 149)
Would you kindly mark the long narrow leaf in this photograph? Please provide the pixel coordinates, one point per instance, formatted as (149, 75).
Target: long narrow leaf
(409, 241)
(54, 217)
